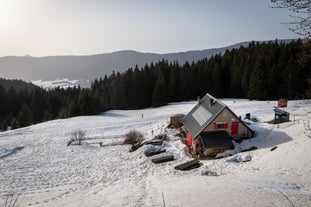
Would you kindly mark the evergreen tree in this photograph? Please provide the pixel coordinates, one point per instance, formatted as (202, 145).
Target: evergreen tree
(258, 86)
(218, 84)
(267, 70)
(12, 102)
(160, 93)
(38, 105)
(187, 80)
(173, 84)
(139, 89)
(24, 116)
(97, 102)
(47, 116)
(14, 123)
(2, 101)
(4, 125)
(84, 103)
(73, 109)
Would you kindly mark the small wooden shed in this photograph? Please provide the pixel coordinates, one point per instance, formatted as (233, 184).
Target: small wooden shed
(280, 116)
(282, 103)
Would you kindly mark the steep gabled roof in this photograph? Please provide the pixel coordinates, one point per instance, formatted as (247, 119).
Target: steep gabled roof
(206, 110)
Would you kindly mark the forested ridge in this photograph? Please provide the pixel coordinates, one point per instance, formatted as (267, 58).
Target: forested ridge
(262, 71)
(18, 85)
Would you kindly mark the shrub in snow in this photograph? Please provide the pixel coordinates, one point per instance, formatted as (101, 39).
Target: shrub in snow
(77, 136)
(134, 138)
(162, 137)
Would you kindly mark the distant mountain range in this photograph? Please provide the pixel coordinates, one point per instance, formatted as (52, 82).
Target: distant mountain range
(93, 66)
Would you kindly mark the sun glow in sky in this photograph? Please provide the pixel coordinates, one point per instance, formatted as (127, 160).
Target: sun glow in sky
(81, 27)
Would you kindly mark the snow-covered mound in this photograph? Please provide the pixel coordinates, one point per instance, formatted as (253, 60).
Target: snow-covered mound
(44, 171)
(62, 83)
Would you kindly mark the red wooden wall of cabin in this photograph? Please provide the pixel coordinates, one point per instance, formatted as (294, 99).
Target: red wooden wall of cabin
(189, 139)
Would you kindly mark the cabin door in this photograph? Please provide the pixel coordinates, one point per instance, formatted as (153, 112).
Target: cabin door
(235, 128)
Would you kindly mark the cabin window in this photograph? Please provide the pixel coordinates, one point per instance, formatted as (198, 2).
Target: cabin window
(220, 125)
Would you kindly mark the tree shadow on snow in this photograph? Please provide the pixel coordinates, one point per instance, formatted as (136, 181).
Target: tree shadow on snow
(8, 152)
(112, 114)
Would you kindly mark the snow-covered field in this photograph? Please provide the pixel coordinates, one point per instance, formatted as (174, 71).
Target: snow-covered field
(62, 83)
(36, 162)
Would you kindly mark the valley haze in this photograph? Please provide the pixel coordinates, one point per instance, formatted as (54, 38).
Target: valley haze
(89, 67)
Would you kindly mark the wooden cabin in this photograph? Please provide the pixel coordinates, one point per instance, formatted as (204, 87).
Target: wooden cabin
(211, 126)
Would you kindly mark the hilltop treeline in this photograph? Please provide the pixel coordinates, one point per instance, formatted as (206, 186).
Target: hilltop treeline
(17, 85)
(260, 71)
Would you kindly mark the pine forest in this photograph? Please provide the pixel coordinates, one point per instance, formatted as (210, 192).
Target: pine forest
(261, 71)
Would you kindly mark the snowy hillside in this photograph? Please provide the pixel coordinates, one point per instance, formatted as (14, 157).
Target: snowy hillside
(62, 83)
(36, 162)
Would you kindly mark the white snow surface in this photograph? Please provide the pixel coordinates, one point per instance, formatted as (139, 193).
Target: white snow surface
(61, 83)
(37, 165)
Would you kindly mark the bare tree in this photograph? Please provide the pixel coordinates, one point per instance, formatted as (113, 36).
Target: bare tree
(134, 138)
(301, 9)
(77, 136)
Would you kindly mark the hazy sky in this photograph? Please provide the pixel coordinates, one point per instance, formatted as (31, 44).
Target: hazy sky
(80, 27)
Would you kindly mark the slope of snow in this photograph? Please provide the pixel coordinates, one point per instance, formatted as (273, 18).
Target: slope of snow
(62, 83)
(47, 172)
